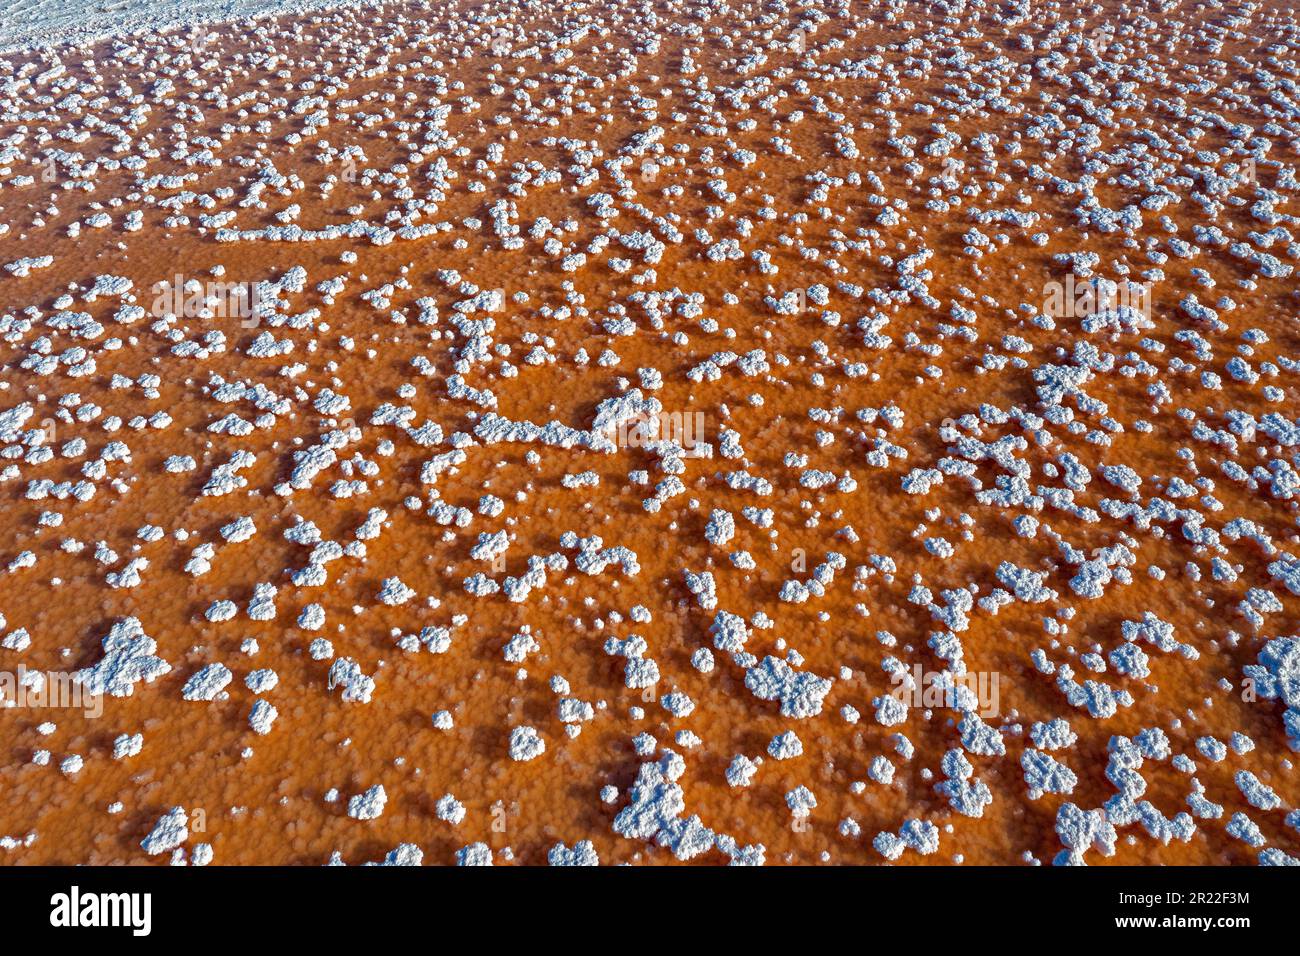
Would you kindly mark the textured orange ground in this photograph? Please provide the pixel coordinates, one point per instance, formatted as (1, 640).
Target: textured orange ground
(1034, 114)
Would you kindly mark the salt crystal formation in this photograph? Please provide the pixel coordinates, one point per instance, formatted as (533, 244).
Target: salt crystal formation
(586, 432)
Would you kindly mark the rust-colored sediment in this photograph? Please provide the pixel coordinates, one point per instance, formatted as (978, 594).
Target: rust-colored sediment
(1131, 100)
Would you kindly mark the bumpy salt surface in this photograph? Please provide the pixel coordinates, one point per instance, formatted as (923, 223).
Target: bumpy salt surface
(38, 23)
(584, 432)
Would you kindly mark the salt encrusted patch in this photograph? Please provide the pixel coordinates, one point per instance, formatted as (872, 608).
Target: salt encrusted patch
(127, 745)
(801, 802)
(526, 744)
(1081, 831)
(449, 809)
(1044, 774)
(583, 853)
(1277, 676)
(801, 693)
(785, 746)
(262, 716)
(357, 686)
(656, 808)
(312, 618)
(207, 682)
(476, 854)
(741, 770)
(920, 836)
(1131, 429)
(129, 658)
(368, 805)
(171, 830)
(394, 592)
(1053, 735)
(404, 854)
